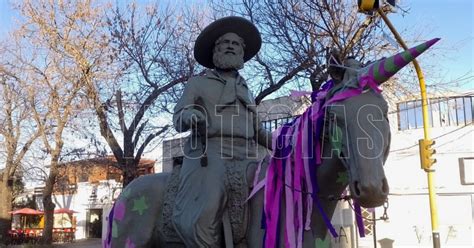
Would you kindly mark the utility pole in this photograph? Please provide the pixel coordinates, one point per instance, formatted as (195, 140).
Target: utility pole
(425, 145)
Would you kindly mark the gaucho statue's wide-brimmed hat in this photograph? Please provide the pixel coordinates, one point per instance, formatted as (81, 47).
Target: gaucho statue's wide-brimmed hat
(205, 42)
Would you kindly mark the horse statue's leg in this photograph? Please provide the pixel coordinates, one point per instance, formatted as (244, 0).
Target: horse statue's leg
(136, 211)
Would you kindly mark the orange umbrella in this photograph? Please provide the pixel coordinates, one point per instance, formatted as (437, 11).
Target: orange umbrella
(28, 211)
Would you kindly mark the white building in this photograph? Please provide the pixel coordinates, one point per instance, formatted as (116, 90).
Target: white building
(451, 121)
(89, 187)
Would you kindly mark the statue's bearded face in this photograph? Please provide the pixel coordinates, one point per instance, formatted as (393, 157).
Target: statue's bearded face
(229, 52)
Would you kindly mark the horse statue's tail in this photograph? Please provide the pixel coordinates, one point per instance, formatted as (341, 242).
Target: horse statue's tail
(107, 243)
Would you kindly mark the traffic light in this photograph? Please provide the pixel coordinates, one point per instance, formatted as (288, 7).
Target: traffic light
(371, 5)
(426, 153)
(368, 5)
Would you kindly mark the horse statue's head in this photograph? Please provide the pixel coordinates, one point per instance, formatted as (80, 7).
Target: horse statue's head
(361, 126)
(359, 122)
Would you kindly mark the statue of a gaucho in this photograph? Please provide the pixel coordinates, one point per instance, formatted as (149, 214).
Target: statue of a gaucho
(220, 111)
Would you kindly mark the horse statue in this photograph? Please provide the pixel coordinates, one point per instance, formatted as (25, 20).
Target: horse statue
(344, 131)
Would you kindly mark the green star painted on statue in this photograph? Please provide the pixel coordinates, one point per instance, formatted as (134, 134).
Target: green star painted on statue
(114, 229)
(342, 178)
(322, 243)
(140, 205)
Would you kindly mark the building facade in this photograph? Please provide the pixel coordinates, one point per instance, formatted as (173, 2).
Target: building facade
(90, 188)
(409, 224)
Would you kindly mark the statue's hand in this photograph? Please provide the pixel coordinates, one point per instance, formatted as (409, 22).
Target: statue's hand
(195, 118)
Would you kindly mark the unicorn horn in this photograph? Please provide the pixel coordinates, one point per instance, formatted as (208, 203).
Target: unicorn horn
(383, 69)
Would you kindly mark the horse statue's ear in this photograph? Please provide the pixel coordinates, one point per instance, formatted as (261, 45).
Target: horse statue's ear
(333, 60)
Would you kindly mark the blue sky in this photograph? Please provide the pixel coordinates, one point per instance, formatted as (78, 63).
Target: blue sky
(452, 21)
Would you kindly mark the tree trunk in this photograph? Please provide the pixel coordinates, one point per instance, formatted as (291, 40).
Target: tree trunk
(129, 172)
(49, 207)
(5, 208)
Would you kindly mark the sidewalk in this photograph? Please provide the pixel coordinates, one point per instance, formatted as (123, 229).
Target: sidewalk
(83, 243)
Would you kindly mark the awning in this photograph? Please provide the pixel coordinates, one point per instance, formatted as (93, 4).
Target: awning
(64, 211)
(27, 211)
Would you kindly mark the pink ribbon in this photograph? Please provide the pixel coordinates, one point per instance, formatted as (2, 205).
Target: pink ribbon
(309, 183)
(299, 172)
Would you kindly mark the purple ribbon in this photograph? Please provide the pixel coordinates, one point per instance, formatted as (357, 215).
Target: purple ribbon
(108, 241)
(359, 221)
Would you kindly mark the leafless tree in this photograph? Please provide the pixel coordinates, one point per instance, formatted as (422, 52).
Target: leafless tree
(17, 136)
(152, 46)
(66, 50)
(298, 35)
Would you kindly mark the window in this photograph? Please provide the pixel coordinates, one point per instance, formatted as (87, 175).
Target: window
(83, 176)
(466, 170)
(402, 116)
(442, 112)
(93, 194)
(468, 111)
